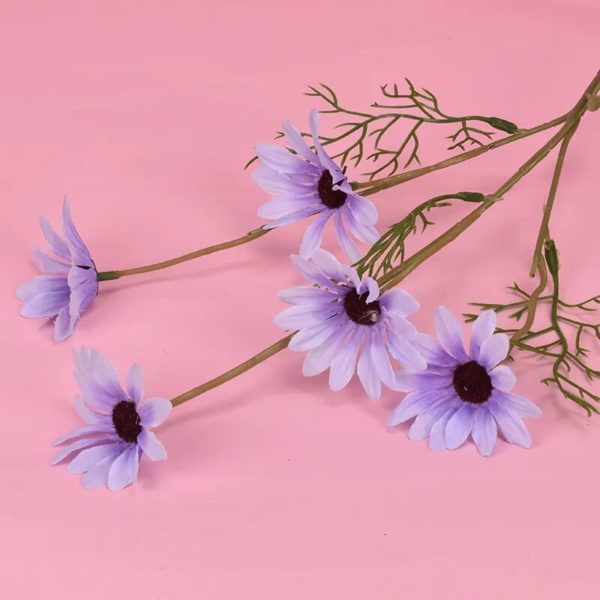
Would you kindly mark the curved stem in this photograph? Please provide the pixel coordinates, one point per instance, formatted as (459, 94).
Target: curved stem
(249, 237)
(241, 368)
(532, 305)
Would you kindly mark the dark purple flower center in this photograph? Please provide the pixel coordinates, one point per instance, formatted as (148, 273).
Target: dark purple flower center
(329, 197)
(126, 421)
(359, 310)
(472, 382)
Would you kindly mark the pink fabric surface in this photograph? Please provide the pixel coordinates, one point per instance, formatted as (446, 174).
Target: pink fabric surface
(144, 113)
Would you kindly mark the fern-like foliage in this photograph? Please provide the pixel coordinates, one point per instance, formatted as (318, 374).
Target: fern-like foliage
(364, 136)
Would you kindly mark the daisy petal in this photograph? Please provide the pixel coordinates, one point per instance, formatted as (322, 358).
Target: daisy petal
(86, 459)
(343, 364)
(493, 350)
(399, 301)
(313, 235)
(63, 325)
(135, 383)
(98, 474)
(154, 411)
(124, 469)
(296, 141)
(278, 158)
(503, 378)
(414, 404)
(55, 242)
(45, 304)
(381, 361)
(483, 327)
(459, 426)
(367, 373)
(80, 255)
(47, 264)
(516, 404)
(421, 428)
(373, 289)
(319, 359)
(86, 431)
(314, 336)
(347, 245)
(450, 334)
(151, 446)
(74, 447)
(485, 431)
(437, 436)
(511, 426)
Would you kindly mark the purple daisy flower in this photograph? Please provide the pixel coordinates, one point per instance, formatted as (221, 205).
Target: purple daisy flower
(310, 183)
(346, 324)
(69, 283)
(462, 393)
(108, 449)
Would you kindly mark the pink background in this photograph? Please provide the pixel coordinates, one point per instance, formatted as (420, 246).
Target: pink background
(275, 487)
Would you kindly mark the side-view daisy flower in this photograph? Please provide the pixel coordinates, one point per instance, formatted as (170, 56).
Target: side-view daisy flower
(108, 449)
(462, 393)
(69, 281)
(306, 183)
(347, 325)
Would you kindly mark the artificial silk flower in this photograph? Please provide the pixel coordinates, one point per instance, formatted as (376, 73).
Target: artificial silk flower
(347, 325)
(69, 283)
(462, 393)
(310, 183)
(107, 451)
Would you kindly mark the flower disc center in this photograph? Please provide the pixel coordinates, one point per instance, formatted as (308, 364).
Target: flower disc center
(329, 197)
(126, 421)
(359, 310)
(472, 382)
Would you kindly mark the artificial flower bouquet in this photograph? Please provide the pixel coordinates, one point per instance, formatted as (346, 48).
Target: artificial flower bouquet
(351, 317)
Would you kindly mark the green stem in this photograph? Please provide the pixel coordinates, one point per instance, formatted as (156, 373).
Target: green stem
(242, 368)
(249, 237)
(544, 231)
(396, 275)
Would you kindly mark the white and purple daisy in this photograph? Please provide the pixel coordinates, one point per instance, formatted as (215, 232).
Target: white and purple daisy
(108, 449)
(310, 183)
(462, 393)
(347, 325)
(69, 283)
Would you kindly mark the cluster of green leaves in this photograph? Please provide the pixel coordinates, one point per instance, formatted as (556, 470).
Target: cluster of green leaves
(561, 340)
(389, 250)
(419, 107)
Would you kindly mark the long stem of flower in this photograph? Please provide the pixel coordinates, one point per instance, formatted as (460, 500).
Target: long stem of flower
(249, 237)
(369, 188)
(241, 368)
(396, 275)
